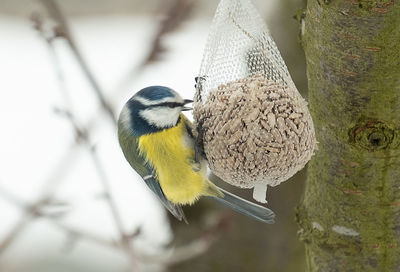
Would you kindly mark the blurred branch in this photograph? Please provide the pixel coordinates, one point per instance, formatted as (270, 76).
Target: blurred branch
(14, 232)
(195, 248)
(81, 133)
(198, 247)
(176, 13)
(34, 211)
(63, 165)
(179, 254)
(125, 238)
(62, 30)
(49, 185)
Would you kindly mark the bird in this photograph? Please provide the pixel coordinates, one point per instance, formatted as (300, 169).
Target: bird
(157, 140)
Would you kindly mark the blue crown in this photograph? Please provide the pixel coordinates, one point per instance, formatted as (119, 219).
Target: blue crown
(154, 93)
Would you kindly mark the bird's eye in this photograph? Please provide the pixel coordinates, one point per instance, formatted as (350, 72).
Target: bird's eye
(168, 104)
(172, 104)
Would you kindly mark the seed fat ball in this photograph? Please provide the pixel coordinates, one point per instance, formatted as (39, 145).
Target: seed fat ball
(255, 131)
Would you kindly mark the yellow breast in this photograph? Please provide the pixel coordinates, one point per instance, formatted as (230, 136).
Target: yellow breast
(167, 151)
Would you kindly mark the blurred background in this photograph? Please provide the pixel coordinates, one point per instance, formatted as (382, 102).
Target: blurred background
(68, 199)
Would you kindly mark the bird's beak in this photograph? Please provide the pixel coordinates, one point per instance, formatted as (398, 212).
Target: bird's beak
(187, 101)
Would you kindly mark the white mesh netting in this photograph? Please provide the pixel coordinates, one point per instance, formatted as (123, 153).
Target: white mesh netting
(254, 125)
(239, 44)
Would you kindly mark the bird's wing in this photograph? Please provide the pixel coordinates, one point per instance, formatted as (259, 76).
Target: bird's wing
(243, 206)
(146, 171)
(176, 210)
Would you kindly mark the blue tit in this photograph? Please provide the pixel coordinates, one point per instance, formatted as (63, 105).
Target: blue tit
(157, 141)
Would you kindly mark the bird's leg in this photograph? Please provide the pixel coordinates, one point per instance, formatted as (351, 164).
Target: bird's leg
(198, 150)
(196, 166)
(197, 153)
(198, 145)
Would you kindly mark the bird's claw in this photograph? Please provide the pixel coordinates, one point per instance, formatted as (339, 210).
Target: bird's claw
(196, 166)
(197, 154)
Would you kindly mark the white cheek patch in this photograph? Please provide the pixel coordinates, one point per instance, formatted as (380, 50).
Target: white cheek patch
(161, 116)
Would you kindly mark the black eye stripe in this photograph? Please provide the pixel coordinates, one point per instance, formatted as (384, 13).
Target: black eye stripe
(167, 104)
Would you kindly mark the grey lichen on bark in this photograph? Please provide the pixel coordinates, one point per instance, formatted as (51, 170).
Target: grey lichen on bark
(350, 216)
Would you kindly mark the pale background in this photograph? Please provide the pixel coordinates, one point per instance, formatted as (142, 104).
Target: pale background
(39, 153)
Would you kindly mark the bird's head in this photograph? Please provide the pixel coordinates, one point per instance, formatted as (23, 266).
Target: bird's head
(152, 109)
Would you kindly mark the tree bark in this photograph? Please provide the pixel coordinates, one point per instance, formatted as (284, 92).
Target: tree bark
(350, 216)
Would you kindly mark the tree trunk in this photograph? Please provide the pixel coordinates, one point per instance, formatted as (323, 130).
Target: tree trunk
(350, 215)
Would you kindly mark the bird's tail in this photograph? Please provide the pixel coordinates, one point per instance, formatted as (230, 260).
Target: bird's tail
(245, 207)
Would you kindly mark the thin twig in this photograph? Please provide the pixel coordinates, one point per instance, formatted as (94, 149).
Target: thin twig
(14, 232)
(198, 246)
(124, 238)
(176, 14)
(82, 234)
(178, 255)
(33, 211)
(49, 186)
(30, 213)
(82, 133)
(63, 31)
